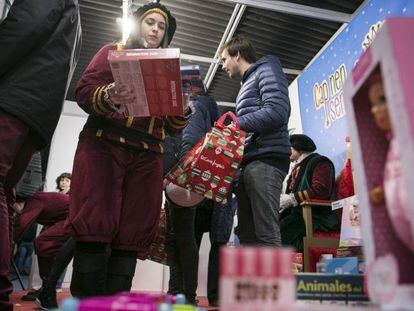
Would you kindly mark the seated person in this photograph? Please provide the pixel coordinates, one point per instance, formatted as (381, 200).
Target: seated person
(49, 209)
(312, 177)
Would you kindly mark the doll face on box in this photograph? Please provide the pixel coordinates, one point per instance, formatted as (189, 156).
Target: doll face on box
(379, 109)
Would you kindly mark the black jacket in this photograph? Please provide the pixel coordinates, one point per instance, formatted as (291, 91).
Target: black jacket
(39, 45)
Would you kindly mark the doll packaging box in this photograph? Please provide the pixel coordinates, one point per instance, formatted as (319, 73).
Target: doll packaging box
(379, 99)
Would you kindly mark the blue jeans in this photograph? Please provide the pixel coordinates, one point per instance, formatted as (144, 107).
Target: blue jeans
(24, 261)
(258, 197)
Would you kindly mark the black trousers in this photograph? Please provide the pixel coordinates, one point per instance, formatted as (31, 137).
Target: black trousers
(182, 251)
(185, 229)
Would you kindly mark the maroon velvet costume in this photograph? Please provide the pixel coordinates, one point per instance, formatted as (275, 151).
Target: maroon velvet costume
(49, 209)
(313, 178)
(116, 190)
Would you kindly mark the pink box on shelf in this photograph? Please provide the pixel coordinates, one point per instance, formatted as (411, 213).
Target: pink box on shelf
(384, 160)
(256, 278)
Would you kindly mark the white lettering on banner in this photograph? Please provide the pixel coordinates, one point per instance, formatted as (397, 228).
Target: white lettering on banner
(212, 162)
(329, 95)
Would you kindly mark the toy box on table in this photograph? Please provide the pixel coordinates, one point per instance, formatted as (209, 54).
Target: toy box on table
(386, 216)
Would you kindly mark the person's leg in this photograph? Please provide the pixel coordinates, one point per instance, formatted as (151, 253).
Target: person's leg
(183, 222)
(29, 256)
(44, 264)
(15, 154)
(47, 295)
(21, 256)
(203, 216)
(96, 198)
(139, 216)
(263, 185)
(121, 270)
(175, 283)
(245, 230)
(213, 273)
(89, 269)
(50, 241)
(292, 228)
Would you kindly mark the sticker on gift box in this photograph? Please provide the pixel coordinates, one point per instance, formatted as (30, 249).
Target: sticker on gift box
(195, 172)
(180, 167)
(206, 176)
(222, 142)
(226, 132)
(181, 179)
(188, 161)
(235, 165)
(216, 132)
(221, 194)
(240, 150)
(209, 145)
(228, 179)
(215, 181)
(200, 188)
(233, 144)
(228, 153)
(209, 194)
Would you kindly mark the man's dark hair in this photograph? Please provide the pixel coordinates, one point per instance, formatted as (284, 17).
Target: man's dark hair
(243, 46)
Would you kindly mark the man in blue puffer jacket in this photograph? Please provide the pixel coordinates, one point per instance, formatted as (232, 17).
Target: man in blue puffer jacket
(263, 110)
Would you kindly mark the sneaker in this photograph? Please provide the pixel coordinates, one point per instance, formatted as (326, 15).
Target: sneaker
(31, 296)
(47, 299)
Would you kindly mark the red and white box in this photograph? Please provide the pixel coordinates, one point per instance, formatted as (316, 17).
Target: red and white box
(256, 278)
(389, 258)
(155, 78)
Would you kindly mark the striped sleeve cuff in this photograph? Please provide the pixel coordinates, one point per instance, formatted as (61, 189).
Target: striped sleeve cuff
(178, 122)
(100, 103)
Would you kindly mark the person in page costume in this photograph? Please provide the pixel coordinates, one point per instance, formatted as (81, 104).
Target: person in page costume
(117, 181)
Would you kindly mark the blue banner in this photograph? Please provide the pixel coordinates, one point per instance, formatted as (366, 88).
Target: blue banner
(320, 85)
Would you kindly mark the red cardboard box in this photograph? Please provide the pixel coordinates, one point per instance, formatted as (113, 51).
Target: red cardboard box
(154, 76)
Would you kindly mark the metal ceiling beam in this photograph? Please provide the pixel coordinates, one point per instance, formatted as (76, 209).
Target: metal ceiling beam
(227, 104)
(296, 9)
(199, 59)
(227, 35)
(289, 71)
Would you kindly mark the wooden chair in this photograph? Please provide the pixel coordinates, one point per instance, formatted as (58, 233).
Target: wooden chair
(329, 242)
